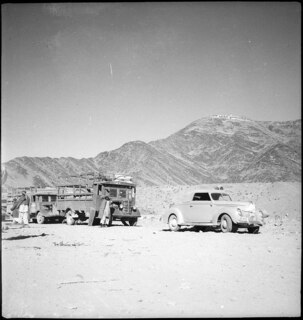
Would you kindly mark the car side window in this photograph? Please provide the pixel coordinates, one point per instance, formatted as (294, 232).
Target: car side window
(201, 196)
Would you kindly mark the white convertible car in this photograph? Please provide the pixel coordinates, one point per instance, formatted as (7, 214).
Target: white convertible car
(213, 207)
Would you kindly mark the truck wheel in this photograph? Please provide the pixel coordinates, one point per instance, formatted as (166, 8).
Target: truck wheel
(133, 222)
(227, 225)
(61, 219)
(69, 219)
(40, 218)
(173, 223)
(253, 229)
(124, 222)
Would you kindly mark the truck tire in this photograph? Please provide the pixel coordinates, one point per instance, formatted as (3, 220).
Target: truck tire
(133, 221)
(40, 218)
(124, 221)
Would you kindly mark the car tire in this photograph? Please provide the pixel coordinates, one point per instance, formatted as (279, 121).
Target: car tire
(254, 230)
(69, 219)
(40, 218)
(133, 222)
(227, 224)
(173, 223)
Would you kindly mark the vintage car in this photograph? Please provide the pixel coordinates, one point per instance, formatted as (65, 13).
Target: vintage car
(213, 207)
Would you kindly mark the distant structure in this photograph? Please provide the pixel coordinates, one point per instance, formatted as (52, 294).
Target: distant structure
(229, 117)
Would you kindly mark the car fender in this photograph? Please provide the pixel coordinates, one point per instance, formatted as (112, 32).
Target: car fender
(229, 211)
(175, 211)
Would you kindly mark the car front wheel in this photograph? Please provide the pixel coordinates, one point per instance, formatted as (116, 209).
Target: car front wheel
(227, 225)
(173, 223)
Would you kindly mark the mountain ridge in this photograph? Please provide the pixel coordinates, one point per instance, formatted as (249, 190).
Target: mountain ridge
(215, 149)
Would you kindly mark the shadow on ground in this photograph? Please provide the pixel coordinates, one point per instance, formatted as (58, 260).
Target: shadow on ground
(21, 237)
(205, 230)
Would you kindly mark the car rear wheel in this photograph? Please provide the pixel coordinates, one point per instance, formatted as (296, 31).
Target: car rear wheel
(173, 223)
(40, 218)
(227, 224)
(253, 229)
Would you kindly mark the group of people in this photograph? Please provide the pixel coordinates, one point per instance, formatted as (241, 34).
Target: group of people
(20, 209)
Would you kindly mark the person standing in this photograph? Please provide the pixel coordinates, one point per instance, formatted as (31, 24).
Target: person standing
(104, 210)
(23, 206)
(15, 211)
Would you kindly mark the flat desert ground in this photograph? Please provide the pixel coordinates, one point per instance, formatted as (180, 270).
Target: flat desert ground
(60, 271)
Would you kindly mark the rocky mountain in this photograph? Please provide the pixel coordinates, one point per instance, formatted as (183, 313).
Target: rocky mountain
(213, 149)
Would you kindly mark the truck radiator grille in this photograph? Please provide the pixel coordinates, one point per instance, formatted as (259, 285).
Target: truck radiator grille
(126, 207)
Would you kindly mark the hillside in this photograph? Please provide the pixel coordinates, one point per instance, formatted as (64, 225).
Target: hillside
(210, 150)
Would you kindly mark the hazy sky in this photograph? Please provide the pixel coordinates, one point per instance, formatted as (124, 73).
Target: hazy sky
(79, 79)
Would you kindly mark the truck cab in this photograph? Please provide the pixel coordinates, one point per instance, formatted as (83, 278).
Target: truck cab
(43, 205)
(122, 201)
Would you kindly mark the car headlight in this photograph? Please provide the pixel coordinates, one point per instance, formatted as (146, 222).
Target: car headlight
(239, 212)
(121, 206)
(134, 208)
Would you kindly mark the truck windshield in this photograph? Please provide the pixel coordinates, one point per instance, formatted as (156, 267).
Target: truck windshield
(113, 193)
(220, 197)
(122, 193)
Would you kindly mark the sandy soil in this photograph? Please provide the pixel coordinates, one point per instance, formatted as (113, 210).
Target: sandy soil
(55, 270)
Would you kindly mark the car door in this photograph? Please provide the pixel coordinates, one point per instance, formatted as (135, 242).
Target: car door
(201, 208)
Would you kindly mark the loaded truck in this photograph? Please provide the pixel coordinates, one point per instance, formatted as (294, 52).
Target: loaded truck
(41, 202)
(79, 202)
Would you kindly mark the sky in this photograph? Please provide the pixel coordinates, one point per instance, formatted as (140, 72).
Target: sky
(82, 78)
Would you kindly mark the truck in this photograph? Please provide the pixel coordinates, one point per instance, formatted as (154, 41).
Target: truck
(43, 205)
(42, 202)
(81, 202)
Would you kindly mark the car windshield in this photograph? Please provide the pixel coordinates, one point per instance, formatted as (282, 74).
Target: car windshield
(220, 197)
